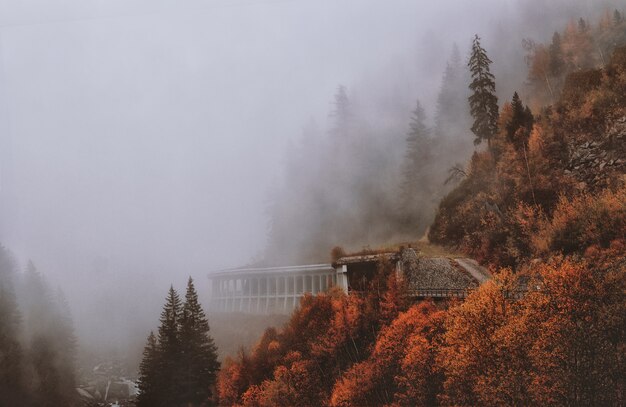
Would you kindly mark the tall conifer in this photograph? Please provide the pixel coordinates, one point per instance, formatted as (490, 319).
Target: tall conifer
(483, 101)
(12, 390)
(169, 349)
(199, 358)
(149, 374)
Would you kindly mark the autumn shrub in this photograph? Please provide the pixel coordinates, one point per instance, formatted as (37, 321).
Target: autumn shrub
(577, 349)
(336, 253)
(401, 368)
(294, 383)
(579, 84)
(451, 222)
(468, 356)
(232, 381)
(583, 221)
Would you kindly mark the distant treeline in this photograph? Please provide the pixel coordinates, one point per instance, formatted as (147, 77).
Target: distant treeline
(37, 343)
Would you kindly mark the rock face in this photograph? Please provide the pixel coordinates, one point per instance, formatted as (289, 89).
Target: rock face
(595, 163)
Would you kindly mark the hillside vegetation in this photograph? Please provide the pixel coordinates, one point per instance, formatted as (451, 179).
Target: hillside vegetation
(544, 205)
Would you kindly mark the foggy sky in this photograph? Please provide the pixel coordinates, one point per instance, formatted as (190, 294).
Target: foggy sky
(139, 139)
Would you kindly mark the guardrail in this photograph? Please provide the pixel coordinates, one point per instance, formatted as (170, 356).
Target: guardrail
(439, 293)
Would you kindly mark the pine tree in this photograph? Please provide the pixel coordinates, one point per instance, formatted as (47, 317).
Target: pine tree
(52, 352)
(557, 64)
(199, 358)
(451, 101)
(343, 109)
(62, 335)
(12, 389)
(148, 374)
(518, 128)
(483, 101)
(416, 182)
(169, 350)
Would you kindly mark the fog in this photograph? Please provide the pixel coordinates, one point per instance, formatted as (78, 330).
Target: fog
(141, 142)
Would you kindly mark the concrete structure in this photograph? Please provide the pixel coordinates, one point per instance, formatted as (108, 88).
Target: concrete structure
(269, 290)
(279, 289)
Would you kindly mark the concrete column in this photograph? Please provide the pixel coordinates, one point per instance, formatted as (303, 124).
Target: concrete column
(285, 293)
(267, 294)
(258, 296)
(342, 277)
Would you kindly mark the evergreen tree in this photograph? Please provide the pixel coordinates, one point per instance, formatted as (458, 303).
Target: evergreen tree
(180, 367)
(416, 182)
(557, 63)
(148, 374)
(518, 128)
(47, 378)
(65, 343)
(169, 350)
(452, 115)
(343, 110)
(483, 101)
(449, 104)
(49, 326)
(199, 353)
(12, 389)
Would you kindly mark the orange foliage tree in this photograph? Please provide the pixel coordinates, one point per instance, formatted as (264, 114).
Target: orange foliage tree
(578, 347)
(401, 368)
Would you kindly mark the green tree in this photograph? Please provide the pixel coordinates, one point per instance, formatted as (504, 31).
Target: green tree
(148, 374)
(199, 363)
(11, 354)
(169, 350)
(557, 63)
(518, 128)
(52, 353)
(483, 101)
(416, 182)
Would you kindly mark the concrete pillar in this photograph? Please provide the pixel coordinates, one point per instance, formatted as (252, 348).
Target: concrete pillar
(258, 296)
(284, 293)
(267, 294)
(342, 277)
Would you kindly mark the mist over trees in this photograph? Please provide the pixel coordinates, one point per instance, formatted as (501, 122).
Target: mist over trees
(360, 183)
(356, 183)
(37, 342)
(392, 161)
(544, 205)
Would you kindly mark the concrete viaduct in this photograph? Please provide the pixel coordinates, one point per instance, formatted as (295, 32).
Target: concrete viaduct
(269, 290)
(277, 290)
